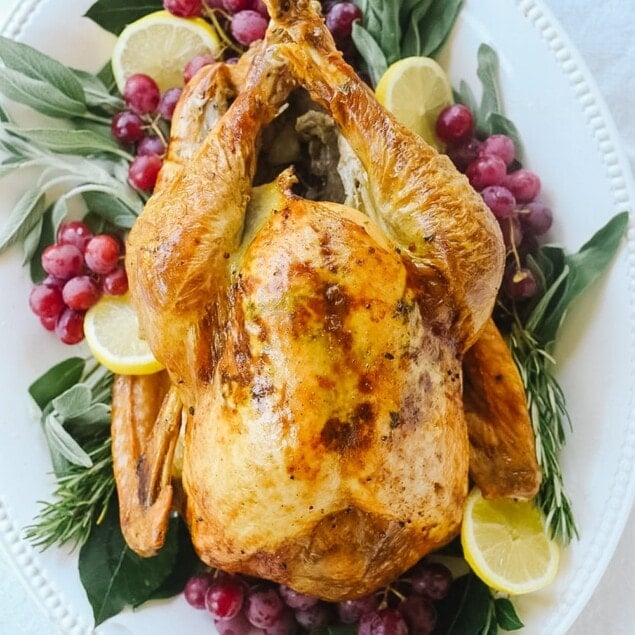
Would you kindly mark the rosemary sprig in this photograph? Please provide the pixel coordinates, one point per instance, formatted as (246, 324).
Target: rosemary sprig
(531, 337)
(74, 397)
(81, 500)
(548, 413)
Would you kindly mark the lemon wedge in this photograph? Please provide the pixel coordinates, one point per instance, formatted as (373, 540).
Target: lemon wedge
(506, 544)
(415, 90)
(160, 45)
(112, 334)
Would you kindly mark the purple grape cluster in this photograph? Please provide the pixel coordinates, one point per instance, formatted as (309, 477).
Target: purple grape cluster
(509, 190)
(144, 126)
(80, 267)
(239, 605)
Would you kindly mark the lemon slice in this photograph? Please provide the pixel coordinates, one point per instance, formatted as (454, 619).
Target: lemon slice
(112, 334)
(416, 90)
(506, 544)
(160, 45)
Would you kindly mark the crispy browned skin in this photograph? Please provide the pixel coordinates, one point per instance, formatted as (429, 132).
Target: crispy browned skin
(318, 350)
(502, 446)
(146, 417)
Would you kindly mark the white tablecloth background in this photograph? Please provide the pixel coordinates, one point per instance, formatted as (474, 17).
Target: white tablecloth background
(604, 33)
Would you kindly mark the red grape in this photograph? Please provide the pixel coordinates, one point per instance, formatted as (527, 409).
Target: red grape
(168, 102)
(263, 607)
(431, 579)
(284, 625)
(48, 323)
(152, 144)
(296, 600)
(536, 217)
(70, 326)
(184, 8)
(464, 153)
(80, 293)
(350, 611)
(500, 145)
(248, 26)
(261, 7)
(419, 614)
(382, 622)
(523, 184)
(500, 200)
(519, 284)
(238, 625)
(340, 18)
(127, 127)
(224, 597)
(52, 281)
(141, 94)
(74, 233)
(195, 589)
(234, 6)
(102, 253)
(62, 261)
(455, 124)
(116, 282)
(195, 65)
(144, 170)
(46, 301)
(314, 617)
(487, 170)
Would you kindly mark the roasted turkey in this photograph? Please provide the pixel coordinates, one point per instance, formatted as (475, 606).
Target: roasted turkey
(313, 350)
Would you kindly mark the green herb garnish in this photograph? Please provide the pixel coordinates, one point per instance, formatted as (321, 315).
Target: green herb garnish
(78, 159)
(488, 113)
(393, 29)
(74, 397)
(532, 338)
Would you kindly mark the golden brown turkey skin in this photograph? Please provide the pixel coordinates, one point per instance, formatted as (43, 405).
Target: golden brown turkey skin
(340, 454)
(316, 349)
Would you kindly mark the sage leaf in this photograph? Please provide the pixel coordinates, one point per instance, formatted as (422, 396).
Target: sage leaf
(96, 414)
(595, 255)
(437, 26)
(370, 51)
(56, 380)
(412, 42)
(97, 93)
(33, 64)
(506, 615)
(73, 402)
(185, 563)
(47, 237)
(39, 95)
(59, 212)
(115, 15)
(467, 608)
(578, 271)
(62, 443)
(487, 72)
(390, 31)
(4, 117)
(111, 208)
(113, 576)
(107, 78)
(9, 166)
(75, 142)
(23, 217)
(31, 241)
(465, 96)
